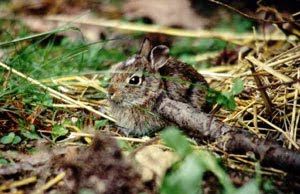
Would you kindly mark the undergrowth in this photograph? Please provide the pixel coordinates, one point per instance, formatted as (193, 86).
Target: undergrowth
(41, 58)
(49, 56)
(188, 172)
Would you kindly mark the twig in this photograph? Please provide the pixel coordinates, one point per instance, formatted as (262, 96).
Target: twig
(296, 56)
(50, 183)
(263, 92)
(272, 71)
(294, 49)
(131, 139)
(251, 17)
(231, 139)
(278, 84)
(19, 183)
(279, 130)
(87, 139)
(293, 126)
(149, 142)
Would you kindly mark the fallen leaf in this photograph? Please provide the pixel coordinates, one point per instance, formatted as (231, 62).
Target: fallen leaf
(178, 13)
(153, 162)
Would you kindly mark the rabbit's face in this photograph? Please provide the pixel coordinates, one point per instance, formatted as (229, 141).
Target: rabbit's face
(134, 89)
(134, 83)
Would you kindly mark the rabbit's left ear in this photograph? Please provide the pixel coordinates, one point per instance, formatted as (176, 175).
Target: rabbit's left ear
(146, 48)
(159, 56)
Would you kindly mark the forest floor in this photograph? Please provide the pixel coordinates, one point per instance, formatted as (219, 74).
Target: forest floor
(56, 135)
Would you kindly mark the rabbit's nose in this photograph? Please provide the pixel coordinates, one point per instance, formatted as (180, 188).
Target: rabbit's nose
(110, 94)
(113, 94)
(116, 97)
(110, 91)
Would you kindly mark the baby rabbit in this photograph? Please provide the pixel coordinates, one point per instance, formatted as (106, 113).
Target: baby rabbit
(137, 84)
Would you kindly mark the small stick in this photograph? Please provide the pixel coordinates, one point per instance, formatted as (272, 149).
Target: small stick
(19, 183)
(263, 92)
(149, 142)
(294, 49)
(278, 84)
(293, 127)
(278, 129)
(87, 139)
(137, 140)
(253, 17)
(281, 61)
(50, 183)
(275, 73)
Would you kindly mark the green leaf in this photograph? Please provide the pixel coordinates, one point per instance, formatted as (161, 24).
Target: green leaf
(28, 130)
(226, 98)
(237, 87)
(174, 139)
(268, 187)
(7, 139)
(230, 104)
(58, 131)
(124, 145)
(100, 123)
(186, 179)
(3, 161)
(221, 99)
(17, 139)
(211, 163)
(30, 134)
(251, 187)
(11, 138)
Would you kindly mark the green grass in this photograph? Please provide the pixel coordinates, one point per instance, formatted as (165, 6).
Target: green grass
(45, 56)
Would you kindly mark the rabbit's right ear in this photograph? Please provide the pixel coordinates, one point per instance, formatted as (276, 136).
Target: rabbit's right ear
(159, 56)
(146, 48)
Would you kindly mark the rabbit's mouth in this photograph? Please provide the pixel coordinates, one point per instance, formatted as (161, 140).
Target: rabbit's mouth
(120, 104)
(114, 103)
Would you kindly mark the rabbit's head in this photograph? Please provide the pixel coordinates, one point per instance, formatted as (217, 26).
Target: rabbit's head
(136, 81)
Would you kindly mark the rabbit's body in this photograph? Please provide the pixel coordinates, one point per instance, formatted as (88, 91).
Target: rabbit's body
(138, 82)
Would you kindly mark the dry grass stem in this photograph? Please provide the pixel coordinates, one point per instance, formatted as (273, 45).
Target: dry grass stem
(19, 183)
(54, 93)
(227, 36)
(50, 183)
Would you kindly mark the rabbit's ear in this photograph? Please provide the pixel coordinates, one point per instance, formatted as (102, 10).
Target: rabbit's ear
(146, 48)
(159, 56)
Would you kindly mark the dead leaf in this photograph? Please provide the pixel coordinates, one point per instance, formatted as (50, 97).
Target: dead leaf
(176, 13)
(37, 111)
(39, 25)
(153, 162)
(42, 7)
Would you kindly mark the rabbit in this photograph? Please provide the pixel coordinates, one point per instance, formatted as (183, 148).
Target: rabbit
(137, 84)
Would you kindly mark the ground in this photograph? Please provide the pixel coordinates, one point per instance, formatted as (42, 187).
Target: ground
(57, 136)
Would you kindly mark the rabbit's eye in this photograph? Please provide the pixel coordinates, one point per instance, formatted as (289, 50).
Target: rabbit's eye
(135, 80)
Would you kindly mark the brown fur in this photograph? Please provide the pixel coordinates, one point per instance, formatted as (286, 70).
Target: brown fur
(133, 106)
